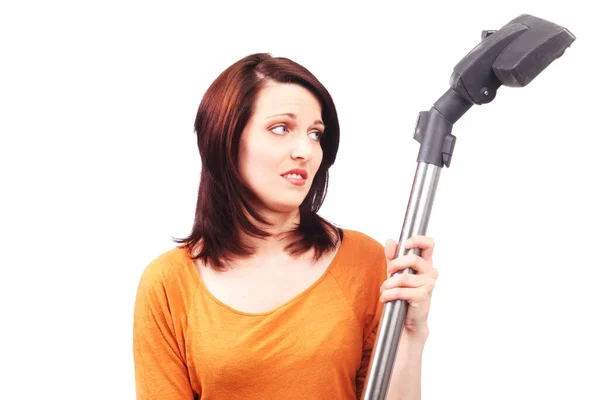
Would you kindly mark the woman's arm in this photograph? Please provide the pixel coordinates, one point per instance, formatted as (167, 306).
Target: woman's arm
(405, 383)
(416, 289)
(159, 359)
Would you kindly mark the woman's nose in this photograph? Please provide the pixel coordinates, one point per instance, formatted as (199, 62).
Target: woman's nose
(302, 147)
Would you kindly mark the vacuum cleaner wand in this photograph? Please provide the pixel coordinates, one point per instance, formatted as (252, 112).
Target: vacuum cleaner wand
(511, 56)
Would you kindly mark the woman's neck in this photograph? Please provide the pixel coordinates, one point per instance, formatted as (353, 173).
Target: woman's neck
(278, 240)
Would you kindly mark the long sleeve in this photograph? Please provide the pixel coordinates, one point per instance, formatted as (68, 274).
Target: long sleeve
(159, 358)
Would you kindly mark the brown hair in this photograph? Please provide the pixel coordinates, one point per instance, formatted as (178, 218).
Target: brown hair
(224, 201)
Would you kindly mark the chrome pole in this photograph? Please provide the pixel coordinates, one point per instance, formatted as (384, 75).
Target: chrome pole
(393, 317)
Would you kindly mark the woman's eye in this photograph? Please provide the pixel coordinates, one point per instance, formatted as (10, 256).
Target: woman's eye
(316, 135)
(279, 130)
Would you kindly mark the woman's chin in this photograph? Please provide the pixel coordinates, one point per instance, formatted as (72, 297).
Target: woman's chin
(290, 206)
(285, 208)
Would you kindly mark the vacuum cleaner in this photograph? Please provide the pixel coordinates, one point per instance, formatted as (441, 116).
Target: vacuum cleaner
(511, 56)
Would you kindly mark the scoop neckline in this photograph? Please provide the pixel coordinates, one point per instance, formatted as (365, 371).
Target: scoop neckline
(200, 283)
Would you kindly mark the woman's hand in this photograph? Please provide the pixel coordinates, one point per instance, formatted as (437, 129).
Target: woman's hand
(415, 288)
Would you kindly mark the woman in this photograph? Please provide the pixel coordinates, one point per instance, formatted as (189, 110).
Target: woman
(265, 299)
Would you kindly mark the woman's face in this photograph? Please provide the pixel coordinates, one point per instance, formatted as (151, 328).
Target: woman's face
(280, 150)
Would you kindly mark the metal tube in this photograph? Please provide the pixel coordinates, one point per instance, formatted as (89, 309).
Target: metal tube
(393, 316)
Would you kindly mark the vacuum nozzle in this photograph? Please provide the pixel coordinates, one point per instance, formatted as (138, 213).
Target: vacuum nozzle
(532, 51)
(511, 56)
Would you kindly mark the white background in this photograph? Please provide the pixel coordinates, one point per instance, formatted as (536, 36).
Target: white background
(99, 170)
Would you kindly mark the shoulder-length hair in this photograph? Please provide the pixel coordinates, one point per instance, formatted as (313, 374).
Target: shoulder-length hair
(224, 201)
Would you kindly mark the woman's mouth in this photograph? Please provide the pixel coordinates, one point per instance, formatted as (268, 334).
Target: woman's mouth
(295, 177)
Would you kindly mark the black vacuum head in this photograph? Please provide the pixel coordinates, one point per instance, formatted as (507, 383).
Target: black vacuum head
(511, 56)
(532, 51)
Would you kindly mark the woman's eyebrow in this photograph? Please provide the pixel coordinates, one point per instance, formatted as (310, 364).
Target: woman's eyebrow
(293, 116)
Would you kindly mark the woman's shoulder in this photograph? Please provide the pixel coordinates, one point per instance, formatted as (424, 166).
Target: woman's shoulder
(164, 295)
(360, 270)
(360, 259)
(167, 268)
(359, 244)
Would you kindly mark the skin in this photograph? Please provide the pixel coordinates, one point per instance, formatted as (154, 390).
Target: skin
(270, 146)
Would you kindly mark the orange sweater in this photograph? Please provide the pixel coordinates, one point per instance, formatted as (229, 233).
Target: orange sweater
(189, 345)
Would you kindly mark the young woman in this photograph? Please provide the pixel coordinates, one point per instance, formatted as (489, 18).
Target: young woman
(265, 299)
